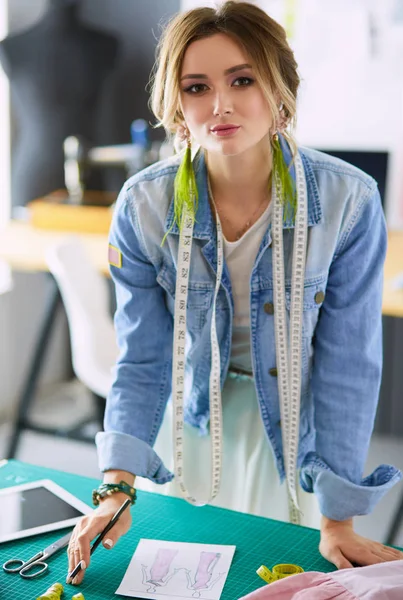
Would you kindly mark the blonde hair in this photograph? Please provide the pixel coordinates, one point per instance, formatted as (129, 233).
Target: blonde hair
(262, 38)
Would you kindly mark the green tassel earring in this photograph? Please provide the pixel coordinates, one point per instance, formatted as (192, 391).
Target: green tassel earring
(185, 190)
(284, 181)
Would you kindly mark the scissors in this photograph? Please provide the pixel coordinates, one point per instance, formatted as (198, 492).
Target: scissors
(17, 565)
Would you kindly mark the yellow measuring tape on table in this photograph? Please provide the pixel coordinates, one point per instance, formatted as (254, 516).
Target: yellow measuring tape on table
(278, 572)
(56, 591)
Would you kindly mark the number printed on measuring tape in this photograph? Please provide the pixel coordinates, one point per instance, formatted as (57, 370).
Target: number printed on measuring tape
(289, 359)
(288, 362)
(179, 363)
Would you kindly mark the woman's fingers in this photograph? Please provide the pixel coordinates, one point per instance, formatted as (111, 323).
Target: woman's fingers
(386, 553)
(374, 552)
(82, 545)
(368, 557)
(77, 559)
(70, 553)
(72, 550)
(88, 529)
(336, 557)
(344, 548)
(358, 552)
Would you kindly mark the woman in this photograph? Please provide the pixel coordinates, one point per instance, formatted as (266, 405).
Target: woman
(260, 240)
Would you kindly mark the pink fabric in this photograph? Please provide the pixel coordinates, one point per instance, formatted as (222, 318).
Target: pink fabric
(383, 581)
(306, 586)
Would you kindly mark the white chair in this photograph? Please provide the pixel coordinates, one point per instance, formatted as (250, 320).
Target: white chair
(85, 297)
(6, 279)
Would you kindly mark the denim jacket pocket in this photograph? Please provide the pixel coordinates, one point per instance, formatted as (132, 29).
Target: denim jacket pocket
(314, 296)
(199, 300)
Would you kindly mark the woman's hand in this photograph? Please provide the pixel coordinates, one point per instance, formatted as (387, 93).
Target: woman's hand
(90, 526)
(340, 545)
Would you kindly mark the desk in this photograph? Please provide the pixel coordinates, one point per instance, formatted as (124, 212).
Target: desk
(24, 248)
(258, 541)
(393, 299)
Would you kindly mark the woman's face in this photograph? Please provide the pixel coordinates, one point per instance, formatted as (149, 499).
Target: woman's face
(223, 105)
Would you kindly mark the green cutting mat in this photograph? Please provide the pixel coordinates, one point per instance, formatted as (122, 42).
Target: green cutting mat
(257, 540)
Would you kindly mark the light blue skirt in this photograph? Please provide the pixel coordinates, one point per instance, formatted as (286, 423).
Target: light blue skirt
(250, 482)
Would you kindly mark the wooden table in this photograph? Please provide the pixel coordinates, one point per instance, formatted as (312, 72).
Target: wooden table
(392, 305)
(23, 247)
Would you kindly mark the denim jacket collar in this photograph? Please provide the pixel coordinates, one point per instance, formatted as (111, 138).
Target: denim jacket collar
(204, 225)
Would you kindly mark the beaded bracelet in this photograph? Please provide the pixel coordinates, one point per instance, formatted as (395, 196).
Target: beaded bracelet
(107, 489)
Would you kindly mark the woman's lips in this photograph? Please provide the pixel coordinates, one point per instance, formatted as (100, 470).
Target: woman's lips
(225, 131)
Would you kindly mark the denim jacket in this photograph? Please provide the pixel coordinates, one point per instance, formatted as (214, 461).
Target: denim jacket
(342, 335)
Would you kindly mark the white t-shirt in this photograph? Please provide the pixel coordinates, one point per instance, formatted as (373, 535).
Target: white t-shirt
(240, 257)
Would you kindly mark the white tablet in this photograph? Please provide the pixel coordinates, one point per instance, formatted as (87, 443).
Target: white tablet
(37, 507)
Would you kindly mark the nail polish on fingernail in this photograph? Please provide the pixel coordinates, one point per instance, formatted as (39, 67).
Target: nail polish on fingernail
(108, 543)
(75, 580)
(83, 565)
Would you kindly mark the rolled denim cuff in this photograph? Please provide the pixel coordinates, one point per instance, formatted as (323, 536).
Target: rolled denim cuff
(125, 452)
(340, 499)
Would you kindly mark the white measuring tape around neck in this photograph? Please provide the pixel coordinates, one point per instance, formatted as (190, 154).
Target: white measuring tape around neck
(289, 358)
(288, 364)
(179, 364)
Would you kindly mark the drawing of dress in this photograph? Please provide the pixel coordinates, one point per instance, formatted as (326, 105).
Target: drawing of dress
(204, 573)
(159, 571)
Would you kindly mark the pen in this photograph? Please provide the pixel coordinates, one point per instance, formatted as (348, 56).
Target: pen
(101, 536)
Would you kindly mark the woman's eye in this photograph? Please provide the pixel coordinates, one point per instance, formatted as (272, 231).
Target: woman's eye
(196, 88)
(242, 81)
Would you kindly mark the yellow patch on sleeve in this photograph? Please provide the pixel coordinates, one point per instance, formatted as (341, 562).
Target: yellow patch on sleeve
(114, 256)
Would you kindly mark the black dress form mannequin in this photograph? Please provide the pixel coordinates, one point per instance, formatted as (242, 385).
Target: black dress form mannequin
(56, 71)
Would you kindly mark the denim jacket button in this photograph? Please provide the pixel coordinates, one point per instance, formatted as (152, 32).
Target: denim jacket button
(268, 308)
(319, 297)
(273, 372)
